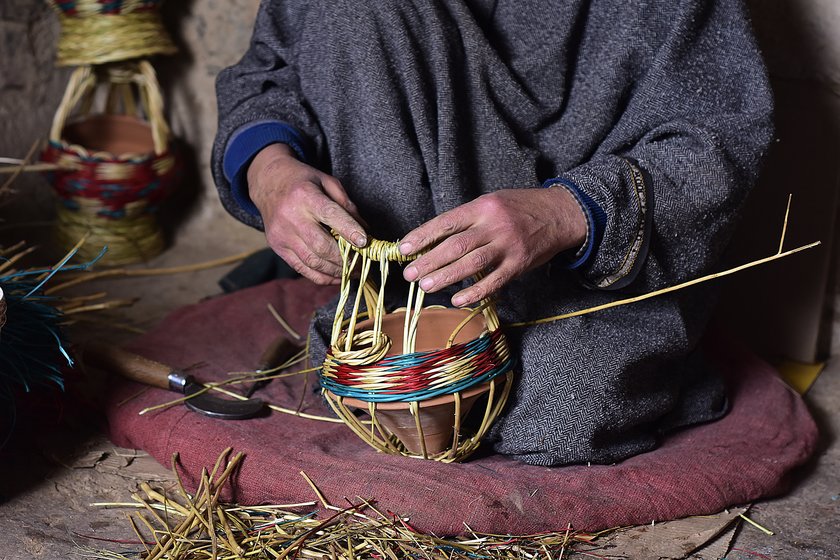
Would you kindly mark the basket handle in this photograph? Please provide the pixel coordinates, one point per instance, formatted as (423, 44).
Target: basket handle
(83, 82)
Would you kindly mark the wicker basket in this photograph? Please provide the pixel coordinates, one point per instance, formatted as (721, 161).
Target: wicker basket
(416, 371)
(118, 166)
(97, 32)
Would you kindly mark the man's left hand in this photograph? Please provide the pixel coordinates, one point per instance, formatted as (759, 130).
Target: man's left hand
(501, 234)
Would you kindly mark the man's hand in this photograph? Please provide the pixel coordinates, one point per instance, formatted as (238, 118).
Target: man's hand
(502, 234)
(296, 201)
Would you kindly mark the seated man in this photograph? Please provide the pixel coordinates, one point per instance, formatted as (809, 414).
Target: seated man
(573, 151)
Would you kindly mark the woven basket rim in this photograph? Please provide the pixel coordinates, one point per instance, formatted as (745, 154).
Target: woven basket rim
(394, 360)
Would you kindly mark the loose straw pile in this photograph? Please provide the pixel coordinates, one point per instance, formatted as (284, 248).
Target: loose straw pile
(198, 526)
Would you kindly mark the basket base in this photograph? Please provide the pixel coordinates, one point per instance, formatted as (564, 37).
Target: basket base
(436, 419)
(129, 240)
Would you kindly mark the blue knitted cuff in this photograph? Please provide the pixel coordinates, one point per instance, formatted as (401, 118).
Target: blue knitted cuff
(244, 144)
(596, 221)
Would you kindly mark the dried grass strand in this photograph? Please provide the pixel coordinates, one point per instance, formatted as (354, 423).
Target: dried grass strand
(667, 290)
(144, 272)
(778, 255)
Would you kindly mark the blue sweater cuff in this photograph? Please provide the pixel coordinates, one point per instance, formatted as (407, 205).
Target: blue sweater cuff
(596, 220)
(244, 144)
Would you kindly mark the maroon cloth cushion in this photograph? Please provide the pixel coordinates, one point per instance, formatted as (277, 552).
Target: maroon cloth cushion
(701, 470)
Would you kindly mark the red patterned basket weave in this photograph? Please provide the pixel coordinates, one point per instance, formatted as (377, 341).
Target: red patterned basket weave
(117, 168)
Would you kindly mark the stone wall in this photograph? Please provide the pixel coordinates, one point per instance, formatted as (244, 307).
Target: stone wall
(787, 308)
(800, 38)
(211, 34)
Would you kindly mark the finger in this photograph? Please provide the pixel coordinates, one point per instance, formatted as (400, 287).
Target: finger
(323, 263)
(436, 229)
(332, 215)
(482, 289)
(335, 190)
(468, 266)
(315, 276)
(307, 244)
(316, 239)
(458, 257)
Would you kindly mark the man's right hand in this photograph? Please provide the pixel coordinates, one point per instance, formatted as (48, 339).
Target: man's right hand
(296, 201)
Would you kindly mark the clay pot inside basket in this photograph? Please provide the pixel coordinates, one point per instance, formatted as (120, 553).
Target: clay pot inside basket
(117, 134)
(437, 415)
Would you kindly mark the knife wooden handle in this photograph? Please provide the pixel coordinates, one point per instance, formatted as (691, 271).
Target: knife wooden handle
(278, 352)
(127, 364)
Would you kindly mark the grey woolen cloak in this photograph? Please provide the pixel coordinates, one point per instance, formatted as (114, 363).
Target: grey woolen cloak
(659, 110)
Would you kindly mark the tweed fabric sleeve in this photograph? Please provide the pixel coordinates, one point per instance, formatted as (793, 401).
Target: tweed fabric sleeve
(263, 86)
(244, 144)
(657, 111)
(672, 173)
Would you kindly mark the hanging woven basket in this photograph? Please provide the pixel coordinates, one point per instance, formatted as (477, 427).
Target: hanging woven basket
(417, 371)
(116, 166)
(99, 31)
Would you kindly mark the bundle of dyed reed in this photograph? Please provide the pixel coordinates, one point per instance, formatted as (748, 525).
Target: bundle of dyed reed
(197, 526)
(32, 345)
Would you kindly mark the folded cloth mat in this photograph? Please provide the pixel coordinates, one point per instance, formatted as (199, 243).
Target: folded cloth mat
(744, 456)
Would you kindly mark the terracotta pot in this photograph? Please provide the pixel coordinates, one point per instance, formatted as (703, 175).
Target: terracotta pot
(117, 134)
(437, 415)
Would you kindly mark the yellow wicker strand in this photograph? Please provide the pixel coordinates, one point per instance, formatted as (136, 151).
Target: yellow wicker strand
(451, 340)
(456, 429)
(380, 300)
(351, 329)
(152, 99)
(385, 436)
(341, 410)
(411, 343)
(377, 249)
(415, 412)
(488, 416)
(500, 402)
(344, 292)
(81, 82)
(407, 318)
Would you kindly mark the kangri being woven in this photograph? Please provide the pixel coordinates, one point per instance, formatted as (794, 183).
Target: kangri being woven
(417, 371)
(115, 169)
(100, 31)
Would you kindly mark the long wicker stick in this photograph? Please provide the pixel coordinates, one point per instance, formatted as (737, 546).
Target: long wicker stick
(142, 272)
(779, 255)
(667, 290)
